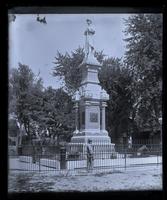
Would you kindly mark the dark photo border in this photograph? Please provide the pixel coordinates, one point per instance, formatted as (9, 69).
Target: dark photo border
(68, 7)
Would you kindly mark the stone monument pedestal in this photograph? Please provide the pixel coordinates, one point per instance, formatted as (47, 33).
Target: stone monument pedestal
(101, 149)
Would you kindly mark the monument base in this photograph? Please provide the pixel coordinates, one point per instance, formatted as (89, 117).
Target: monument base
(95, 139)
(102, 147)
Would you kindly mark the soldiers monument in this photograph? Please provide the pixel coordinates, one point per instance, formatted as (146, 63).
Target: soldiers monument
(90, 104)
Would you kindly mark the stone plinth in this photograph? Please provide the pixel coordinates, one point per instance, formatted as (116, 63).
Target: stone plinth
(100, 150)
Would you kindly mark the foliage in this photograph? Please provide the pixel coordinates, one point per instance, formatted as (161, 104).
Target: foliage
(116, 80)
(21, 83)
(13, 128)
(144, 59)
(67, 67)
(42, 112)
(58, 115)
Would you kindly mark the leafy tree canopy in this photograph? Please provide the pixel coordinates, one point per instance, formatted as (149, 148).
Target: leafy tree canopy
(144, 58)
(67, 67)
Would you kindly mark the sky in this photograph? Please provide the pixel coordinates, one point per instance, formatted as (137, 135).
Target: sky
(36, 44)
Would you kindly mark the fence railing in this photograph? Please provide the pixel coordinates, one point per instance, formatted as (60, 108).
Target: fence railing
(76, 157)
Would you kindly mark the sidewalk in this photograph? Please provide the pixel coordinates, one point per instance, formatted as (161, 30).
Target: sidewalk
(16, 164)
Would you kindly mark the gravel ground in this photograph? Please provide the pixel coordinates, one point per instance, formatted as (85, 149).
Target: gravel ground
(143, 178)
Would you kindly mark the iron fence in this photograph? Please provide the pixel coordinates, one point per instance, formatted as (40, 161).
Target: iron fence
(74, 157)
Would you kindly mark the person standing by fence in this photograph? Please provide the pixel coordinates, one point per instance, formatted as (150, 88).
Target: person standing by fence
(89, 155)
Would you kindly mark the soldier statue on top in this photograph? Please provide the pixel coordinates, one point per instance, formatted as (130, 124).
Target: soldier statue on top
(89, 38)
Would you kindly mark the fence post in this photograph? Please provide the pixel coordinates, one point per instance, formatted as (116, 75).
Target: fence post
(19, 150)
(124, 144)
(157, 155)
(63, 158)
(39, 163)
(125, 156)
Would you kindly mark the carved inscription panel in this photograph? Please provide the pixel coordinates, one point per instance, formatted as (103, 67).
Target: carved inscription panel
(93, 117)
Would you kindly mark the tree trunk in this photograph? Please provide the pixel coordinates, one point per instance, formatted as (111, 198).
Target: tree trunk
(20, 134)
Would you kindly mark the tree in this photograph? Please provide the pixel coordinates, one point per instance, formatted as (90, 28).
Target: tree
(144, 58)
(67, 67)
(58, 115)
(22, 87)
(116, 80)
(13, 128)
(39, 112)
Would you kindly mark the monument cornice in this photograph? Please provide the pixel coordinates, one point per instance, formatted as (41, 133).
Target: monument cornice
(92, 100)
(103, 104)
(86, 64)
(91, 82)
